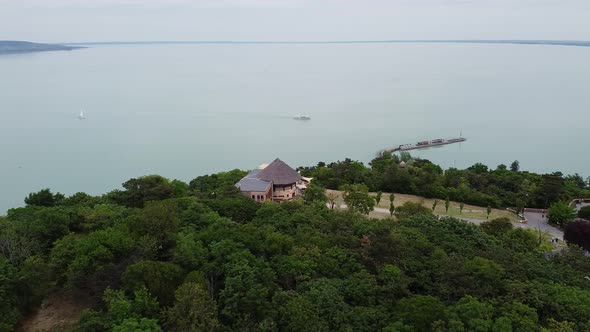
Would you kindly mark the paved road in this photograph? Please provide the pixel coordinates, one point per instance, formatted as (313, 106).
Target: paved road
(539, 220)
(581, 205)
(535, 221)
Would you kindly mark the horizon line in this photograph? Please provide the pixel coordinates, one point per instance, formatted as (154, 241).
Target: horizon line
(580, 43)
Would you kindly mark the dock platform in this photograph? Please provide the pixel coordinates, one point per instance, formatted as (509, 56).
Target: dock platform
(423, 145)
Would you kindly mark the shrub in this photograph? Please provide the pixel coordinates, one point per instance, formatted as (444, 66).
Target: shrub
(584, 212)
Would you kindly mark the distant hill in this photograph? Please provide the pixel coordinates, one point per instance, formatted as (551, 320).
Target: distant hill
(13, 47)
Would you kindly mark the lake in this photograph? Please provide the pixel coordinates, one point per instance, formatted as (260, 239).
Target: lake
(188, 110)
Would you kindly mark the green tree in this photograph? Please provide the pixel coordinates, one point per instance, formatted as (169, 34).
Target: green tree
(92, 261)
(515, 166)
(9, 313)
(43, 197)
(357, 198)
(249, 286)
(412, 209)
(360, 289)
(193, 311)
(391, 205)
(561, 214)
(189, 252)
(122, 313)
(461, 206)
(502, 324)
(479, 168)
(179, 188)
(328, 302)
(522, 240)
(301, 314)
(485, 276)
(393, 282)
(93, 321)
(332, 197)
(40, 226)
(497, 227)
(138, 325)
(158, 220)
(238, 208)
(584, 212)
(447, 205)
(79, 199)
(489, 211)
(315, 193)
(118, 306)
(160, 278)
(35, 282)
(405, 156)
(145, 189)
(378, 198)
(555, 326)
(434, 204)
(522, 317)
(420, 312)
(501, 168)
(14, 247)
(475, 315)
(220, 183)
(552, 187)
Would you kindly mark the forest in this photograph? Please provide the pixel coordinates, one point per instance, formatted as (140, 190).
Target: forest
(164, 255)
(505, 186)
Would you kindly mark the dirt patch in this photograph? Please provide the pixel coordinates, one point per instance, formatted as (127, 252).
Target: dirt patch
(59, 312)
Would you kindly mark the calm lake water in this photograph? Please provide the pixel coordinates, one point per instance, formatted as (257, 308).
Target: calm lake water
(187, 110)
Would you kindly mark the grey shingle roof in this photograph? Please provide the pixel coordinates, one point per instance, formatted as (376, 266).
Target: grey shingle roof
(253, 173)
(250, 184)
(279, 173)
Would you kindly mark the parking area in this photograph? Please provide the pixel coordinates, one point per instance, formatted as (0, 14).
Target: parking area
(538, 220)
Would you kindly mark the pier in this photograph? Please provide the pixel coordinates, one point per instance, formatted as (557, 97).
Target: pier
(422, 145)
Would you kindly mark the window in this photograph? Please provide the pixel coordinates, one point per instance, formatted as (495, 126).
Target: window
(253, 197)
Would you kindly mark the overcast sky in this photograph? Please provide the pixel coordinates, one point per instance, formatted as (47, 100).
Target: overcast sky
(118, 20)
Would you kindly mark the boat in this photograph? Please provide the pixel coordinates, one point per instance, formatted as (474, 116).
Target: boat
(81, 116)
(301, 117)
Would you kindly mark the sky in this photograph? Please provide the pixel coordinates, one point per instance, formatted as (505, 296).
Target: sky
(142, 20)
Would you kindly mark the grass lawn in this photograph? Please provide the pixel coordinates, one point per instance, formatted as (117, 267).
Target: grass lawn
(469, 211)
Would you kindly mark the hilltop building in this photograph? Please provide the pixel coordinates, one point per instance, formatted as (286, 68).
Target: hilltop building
(276, 182)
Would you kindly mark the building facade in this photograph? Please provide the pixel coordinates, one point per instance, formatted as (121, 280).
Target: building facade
(276, 181)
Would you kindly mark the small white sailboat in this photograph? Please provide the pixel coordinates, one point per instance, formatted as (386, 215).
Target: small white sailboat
(81, 116)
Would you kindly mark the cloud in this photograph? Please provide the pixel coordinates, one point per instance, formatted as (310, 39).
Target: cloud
(154, 3)
(387, 4)
(96, 20)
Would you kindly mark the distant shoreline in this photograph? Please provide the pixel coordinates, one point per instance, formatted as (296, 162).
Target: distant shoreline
(23, 47)
(578, 43)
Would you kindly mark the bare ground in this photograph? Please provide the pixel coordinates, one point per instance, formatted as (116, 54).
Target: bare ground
(59, 312)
